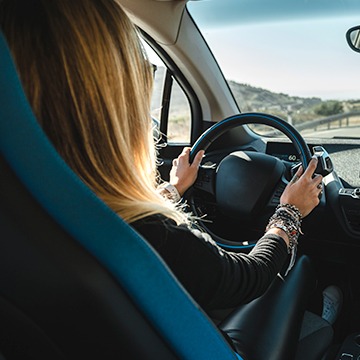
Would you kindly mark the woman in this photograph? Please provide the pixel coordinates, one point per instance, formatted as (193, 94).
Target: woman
(89, 83)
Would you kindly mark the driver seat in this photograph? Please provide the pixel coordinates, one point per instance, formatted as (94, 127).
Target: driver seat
(77, 282)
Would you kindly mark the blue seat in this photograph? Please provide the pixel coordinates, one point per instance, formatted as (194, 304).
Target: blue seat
(77, 282)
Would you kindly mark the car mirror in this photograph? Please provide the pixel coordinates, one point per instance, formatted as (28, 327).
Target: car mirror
(353, 38)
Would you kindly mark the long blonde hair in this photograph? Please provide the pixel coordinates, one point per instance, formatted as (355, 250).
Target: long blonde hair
(89, 83)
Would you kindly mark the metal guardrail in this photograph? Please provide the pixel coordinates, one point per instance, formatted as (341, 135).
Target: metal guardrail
(343, 119)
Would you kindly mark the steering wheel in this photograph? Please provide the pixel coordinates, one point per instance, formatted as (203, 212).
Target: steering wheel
(245, 182)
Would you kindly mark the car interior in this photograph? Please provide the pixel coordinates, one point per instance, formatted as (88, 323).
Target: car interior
(78, 282)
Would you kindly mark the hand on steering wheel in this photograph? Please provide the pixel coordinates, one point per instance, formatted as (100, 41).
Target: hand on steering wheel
(183, 174)
(304, 189)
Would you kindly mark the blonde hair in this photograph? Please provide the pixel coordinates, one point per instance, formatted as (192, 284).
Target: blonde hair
(89, 83)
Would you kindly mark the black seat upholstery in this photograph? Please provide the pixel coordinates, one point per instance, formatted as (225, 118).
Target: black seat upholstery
(56, 301)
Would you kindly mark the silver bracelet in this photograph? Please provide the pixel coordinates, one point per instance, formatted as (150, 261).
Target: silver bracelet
(292, 208)
(172, 190)
(292, 227)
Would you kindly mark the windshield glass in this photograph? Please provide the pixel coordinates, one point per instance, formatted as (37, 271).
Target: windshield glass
(288, 58)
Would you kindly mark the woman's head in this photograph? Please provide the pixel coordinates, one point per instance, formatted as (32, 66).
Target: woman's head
(89, 83)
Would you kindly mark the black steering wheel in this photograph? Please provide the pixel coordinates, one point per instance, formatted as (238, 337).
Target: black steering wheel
(215, 131)
(245, 182)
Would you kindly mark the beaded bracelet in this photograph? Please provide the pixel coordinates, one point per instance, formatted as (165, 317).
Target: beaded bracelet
(287, 218)
(285, 214)
(291, 229)
(292, 208)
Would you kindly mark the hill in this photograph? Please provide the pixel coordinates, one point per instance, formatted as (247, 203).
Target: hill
(252, 98)
(296, 110)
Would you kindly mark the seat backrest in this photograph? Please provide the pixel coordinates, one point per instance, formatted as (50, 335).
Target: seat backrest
(75, 280)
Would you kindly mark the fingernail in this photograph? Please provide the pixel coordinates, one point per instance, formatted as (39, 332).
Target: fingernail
(314, 157)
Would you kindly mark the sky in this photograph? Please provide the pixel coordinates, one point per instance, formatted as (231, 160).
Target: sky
(223, 12)
(298, 54)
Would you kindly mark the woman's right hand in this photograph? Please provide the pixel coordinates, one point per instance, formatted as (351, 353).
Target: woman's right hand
(183, 174)
(304, 189)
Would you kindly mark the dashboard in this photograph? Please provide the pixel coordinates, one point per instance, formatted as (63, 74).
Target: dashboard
(345, 157)
(283, 151)
(346, 160)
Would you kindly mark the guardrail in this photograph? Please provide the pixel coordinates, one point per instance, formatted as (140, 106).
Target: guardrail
(343, 119)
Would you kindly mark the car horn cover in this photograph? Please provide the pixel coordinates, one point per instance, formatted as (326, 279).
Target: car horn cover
(245, 182)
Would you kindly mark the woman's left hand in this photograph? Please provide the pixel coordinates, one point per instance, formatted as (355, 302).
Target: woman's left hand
(183, 174)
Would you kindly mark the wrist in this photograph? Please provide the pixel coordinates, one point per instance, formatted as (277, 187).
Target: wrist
(287, 218)
(281, 233)
(170, 191)
(180, 189)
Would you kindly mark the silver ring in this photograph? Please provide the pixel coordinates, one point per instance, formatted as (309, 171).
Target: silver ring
(319, 186)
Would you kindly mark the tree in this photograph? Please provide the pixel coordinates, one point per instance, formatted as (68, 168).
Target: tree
(328, 108)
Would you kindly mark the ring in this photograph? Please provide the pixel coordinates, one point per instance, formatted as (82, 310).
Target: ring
(319, 186)
(295, 178)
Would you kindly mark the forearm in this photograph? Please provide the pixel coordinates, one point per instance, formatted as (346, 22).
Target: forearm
(245, 277)
(281, 233)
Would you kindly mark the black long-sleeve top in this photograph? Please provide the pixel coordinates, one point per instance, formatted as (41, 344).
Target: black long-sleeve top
(215, 278)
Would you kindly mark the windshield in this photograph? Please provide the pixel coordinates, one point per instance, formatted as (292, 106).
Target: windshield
(288, 58)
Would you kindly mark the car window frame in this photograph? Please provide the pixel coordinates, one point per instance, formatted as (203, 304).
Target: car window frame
(196, 126)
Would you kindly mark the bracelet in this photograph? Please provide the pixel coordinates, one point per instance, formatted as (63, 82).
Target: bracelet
(286, 215)
(287, 218)
(172, 191)
(289, 223)
(291, 208)
(291, 230)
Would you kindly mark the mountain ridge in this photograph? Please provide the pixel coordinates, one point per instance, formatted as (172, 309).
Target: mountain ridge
(295, 109)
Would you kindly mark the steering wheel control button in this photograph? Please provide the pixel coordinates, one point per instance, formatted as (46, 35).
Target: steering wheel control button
(275, 199)
(205, 180)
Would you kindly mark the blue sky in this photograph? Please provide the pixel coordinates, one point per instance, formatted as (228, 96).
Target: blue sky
(224, 12)
(290, 50)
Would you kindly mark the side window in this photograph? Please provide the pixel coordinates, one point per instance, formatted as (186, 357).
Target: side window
(169, 105)
(179, 116)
